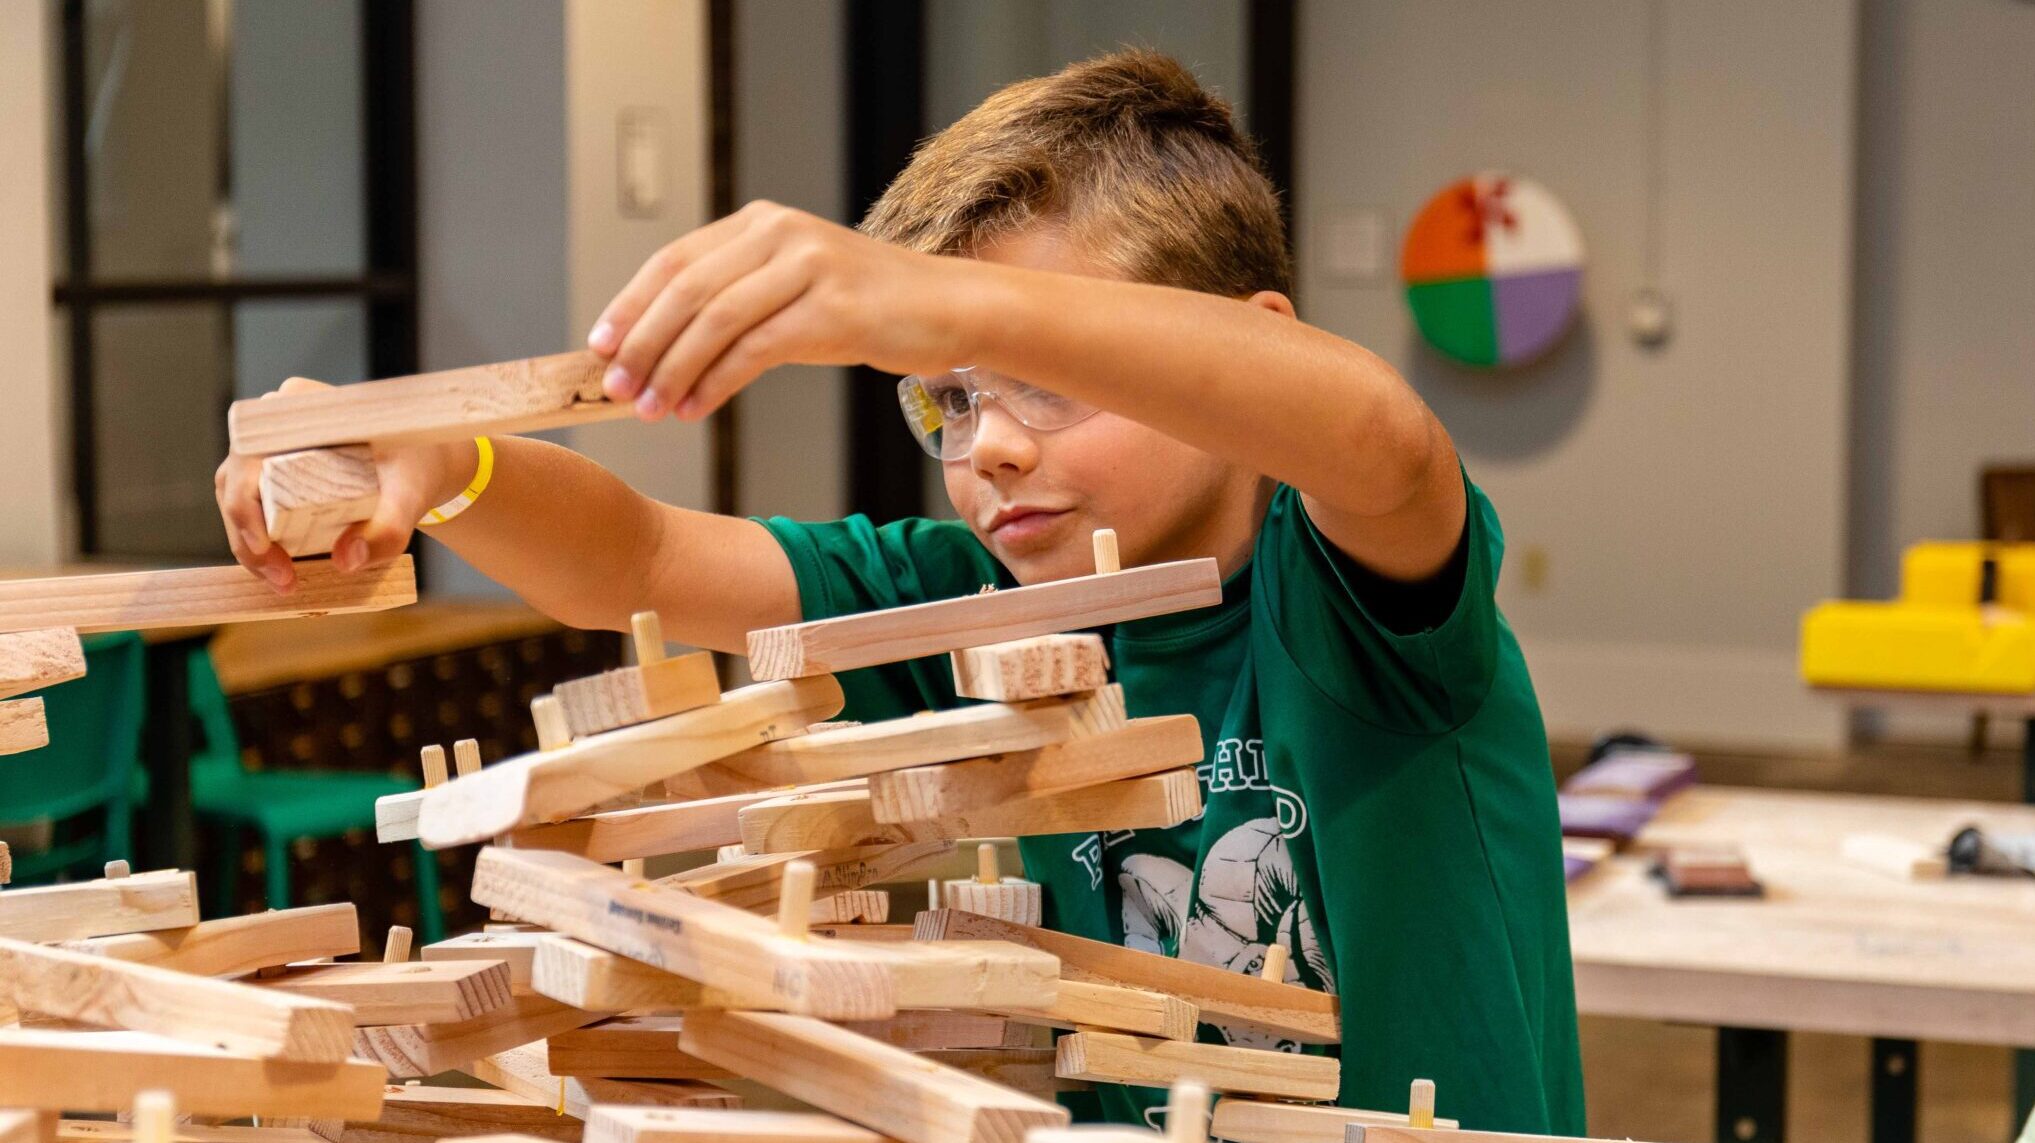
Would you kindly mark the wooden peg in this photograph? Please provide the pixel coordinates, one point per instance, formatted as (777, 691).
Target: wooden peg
(116, 869)
(795, 900)
(1187, 1112)
(1276, 958)
(396, 949)
(433, 757)
(155, 1116)
(934, 898)
(1420, 1105)
(633, 866)
(648, 632)
(466, 757)
(1107, 562)
(549, 716)
(986, 872)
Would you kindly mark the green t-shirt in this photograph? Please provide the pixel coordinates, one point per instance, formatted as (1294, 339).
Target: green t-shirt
(1379, 802)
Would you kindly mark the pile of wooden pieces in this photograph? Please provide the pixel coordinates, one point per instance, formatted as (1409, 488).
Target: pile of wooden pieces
(1605, 804)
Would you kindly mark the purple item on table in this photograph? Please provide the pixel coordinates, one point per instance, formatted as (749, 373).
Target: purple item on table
(1574, 866)
(1593, 816)
(1653, 775)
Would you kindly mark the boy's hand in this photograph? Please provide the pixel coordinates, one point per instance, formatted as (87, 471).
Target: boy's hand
(769, 286)
(412, 480)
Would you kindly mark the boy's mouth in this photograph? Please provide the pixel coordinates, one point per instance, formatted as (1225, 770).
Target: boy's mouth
(1019, 525)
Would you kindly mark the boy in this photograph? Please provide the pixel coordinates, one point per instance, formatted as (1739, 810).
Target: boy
(1378, 795)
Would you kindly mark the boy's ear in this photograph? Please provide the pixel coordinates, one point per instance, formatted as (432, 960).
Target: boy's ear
(1273, 300)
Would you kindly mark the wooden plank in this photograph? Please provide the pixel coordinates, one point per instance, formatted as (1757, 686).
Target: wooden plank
(104, 1071)
(110, 1131)
(234, 945)
(32, 660)
(199, 597)
(515, 951)
(940, 1028)
(427, 1049)
(21, 1126)
(1241, 1120)
(22, 726)
(1231, 999)
(1031, 668)
(751, 881)
(141, 902)
(857, 750)
(596, 979)
(405, 992)
(454, 404)
(851, 907)
(628, 1047)
(395, 816)
(1144, 746)
(1143, 1061)
(196, 1009)
(711, 1125)
(645, 831)
(412, 1113)
(840, 819)
(1081, 1004)
(961, 974)
(555, 784)
(629, 695)
(521, 1070)
(832, 645)
(1029, 1070)
(862, 931)
(1380, 1133)
(883, 1088)
(723, 947)
(310, 496)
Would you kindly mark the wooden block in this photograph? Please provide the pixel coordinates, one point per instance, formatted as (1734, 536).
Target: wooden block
(940, 1028)
(1084, 1005)
(596, 979)
(1028, 1070)
(521, 1070)
(962, 974)
(310, 496)
(851, 906)
(32, 660)
(883, 1088)
(1031, 668)
(628, 1047)
(413, 1113)
(1010, 899)
(395, 816)
(427, 1049)
(839, 819)
(645, 831)
(751, 881)
(103, 1071)
(419, 992)
(22, 1126)
(1897, 857)
(506, 397)
(22, 726)
(1231, 999)
(827, 646)
(711, 1125)
(1144, 746)
(514, 951)
(196, 1009)
(554, 785)
(629, 695)
(859, 750)
(199, 597)
(1269, 1121)
(1109, 1057)
(144, 902)
(720, 946)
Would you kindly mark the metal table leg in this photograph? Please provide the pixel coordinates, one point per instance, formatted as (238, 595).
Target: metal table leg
(165, 832)
(1752, 1085)
(1894, 1067)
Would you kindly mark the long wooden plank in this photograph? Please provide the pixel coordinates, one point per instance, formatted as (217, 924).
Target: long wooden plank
(1029, 1070)
(405, 992)
(1381, 1133)
(940, 1028)
(629, 695)
(1232, 999)
(1145, 746)
(596, 979)
(646, 831)
(310, 496)
(143, 902)
(1242, 1120)
(1142, 1061)
(233, 945)
(22, 725)
(104, 1071)
(751, 882)
(198, 597)
(196, 1009)
(832, 645)
(110, 1131)
(628, 1047)
(962, 974)
(846, 752)
(32, 660)
(427, 1049)
(454, 404)
(413, 1113)
(840, 819)
(516, 952)
(711, 1125)
(1081, 1004)
(521, 1070)
(555, 784)
(883, 1088)
(725, 948)
(1031, 668)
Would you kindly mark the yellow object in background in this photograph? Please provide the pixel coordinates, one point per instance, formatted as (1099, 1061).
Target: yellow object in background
(1937, 636)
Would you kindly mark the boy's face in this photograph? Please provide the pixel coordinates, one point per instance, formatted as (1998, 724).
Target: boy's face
(1034, 498)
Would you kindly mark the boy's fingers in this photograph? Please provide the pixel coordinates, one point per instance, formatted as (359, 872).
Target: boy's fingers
(668, 314)
(238, 496)
(731, 314)
(383, 536)
(760, 349)
(612, 328)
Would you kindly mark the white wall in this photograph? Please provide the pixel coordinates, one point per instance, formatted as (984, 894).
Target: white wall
(33, 491)
(1687, 502)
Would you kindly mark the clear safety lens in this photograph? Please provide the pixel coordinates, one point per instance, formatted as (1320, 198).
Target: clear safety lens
(940, 409)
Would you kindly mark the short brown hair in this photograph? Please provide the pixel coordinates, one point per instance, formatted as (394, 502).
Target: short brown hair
(1145, 168)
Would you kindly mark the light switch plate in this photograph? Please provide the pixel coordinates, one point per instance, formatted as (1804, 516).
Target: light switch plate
(1354, 244)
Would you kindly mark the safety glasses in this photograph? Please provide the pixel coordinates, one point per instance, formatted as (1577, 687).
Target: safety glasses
(941, 408)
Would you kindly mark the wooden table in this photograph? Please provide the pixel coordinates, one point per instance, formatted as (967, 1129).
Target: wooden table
(255, 656)
(1833, 947)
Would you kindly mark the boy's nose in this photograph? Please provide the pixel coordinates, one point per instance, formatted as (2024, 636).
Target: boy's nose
(1002, 445)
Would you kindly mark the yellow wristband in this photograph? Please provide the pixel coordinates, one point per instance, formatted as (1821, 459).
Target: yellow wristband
(482, 473)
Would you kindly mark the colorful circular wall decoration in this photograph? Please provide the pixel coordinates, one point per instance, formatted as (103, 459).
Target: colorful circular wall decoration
(1493, 268)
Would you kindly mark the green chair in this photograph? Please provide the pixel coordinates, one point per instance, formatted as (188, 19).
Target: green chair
(84, 785)
(282, 806)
